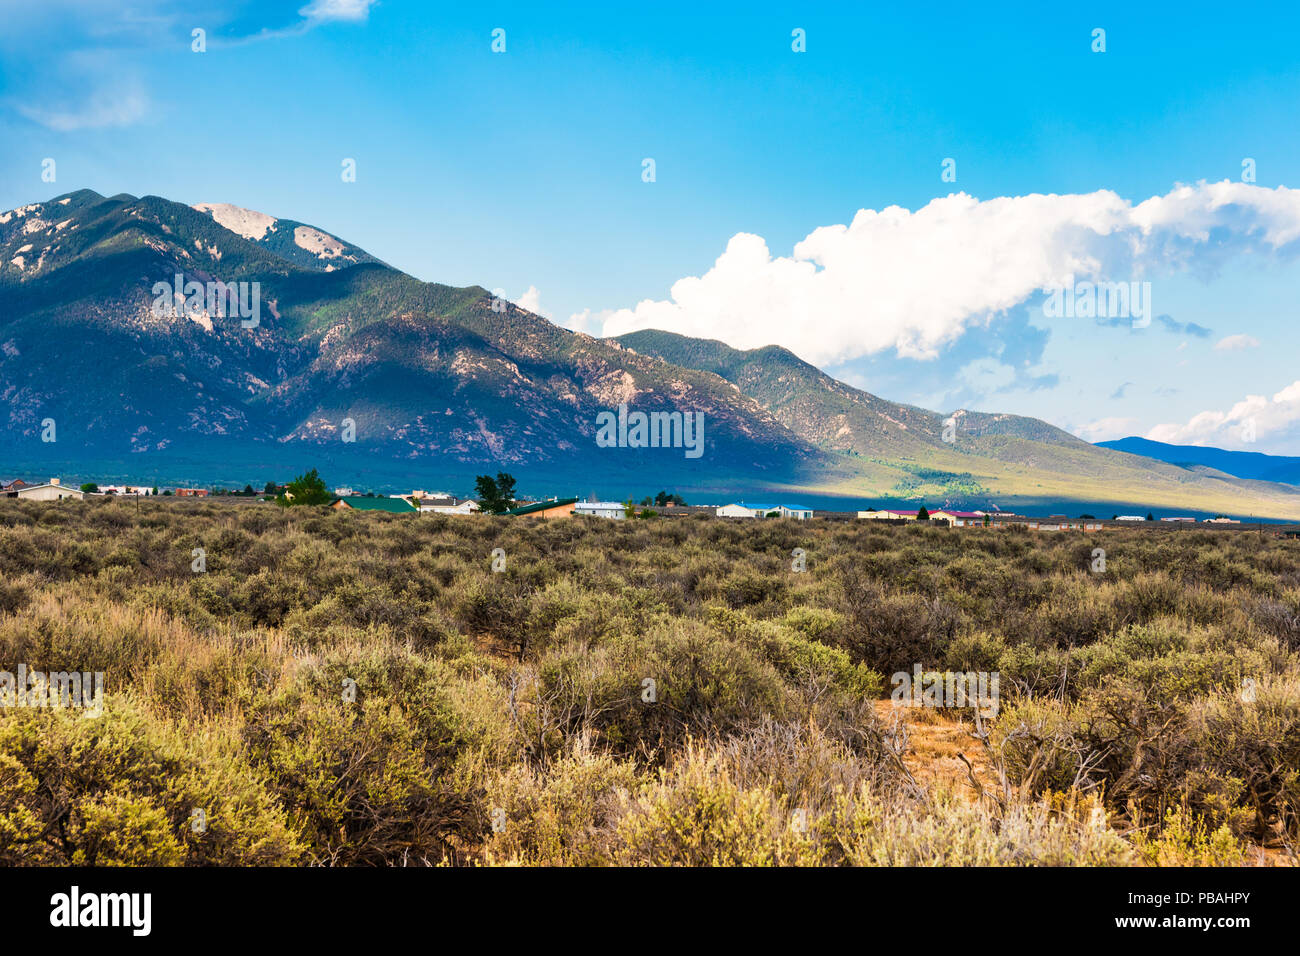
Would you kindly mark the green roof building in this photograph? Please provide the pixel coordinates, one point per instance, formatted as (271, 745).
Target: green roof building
(555, 508)
(362, 503)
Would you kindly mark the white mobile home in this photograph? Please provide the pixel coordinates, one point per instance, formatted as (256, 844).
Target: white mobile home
(742, 510)
(600, 509)
(448, 505)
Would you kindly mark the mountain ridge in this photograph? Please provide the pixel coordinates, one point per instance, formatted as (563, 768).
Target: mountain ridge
(1239, 464)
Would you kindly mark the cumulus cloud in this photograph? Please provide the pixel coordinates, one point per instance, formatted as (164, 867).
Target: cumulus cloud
(1234, 342)
(914, 282)
(532, 302)
(588, 321)
(1254, 418)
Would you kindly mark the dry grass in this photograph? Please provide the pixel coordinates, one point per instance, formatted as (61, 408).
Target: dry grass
(504, 718)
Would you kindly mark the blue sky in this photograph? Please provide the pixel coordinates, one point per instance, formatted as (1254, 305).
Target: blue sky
(522, 171)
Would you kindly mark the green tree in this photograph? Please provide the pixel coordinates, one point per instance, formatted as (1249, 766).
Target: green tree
(308, 489)
(1150, 516)
(270, 488)
(90, 487)
(922, 514)
(495, 495)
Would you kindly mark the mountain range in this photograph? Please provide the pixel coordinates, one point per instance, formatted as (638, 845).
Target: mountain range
(1240, 464)
(369, 373)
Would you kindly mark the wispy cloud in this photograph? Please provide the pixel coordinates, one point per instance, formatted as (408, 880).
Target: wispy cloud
(118, 104)
(1105, 429)
(98, 83)
(312, 15)
(1181, 328)
(1236, 342)
(323, 11)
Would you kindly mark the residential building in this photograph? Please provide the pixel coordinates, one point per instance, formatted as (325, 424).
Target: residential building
(447, 505)
(1063, 524)
(959, 519)
(797, 512)
(889, 514)
(50, 491)
(735, 511)
(191, 492)
(552, 508)
(1221, 520)
(743, 510)
(1129, 518)
(600, 509)
(362, 503)
(1180, 519)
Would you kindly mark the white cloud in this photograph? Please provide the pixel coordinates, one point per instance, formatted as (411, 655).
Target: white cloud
(1253, 418)
(322, 11)
(589, 322)
(532, 302)
(915, 281)
(987, 375)
(1104, 429)
(107, 107)
(1233, 342)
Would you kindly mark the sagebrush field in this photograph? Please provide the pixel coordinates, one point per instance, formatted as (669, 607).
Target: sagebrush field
(1149, 714)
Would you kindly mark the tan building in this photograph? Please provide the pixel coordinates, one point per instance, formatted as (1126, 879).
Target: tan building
(959, 519)
(555, 508)
(50, 491)
(889, 514)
